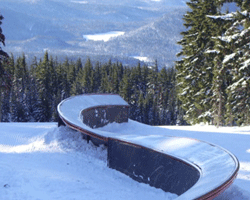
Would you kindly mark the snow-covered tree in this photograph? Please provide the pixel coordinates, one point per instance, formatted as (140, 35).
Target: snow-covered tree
(231, 94)
(5, 79)
(194, 70)
(238, 103)
(19, 104)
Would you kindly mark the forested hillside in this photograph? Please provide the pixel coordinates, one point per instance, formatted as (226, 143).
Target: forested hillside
(151, 28)
(37, 89)
(210, 81)
(214, 71)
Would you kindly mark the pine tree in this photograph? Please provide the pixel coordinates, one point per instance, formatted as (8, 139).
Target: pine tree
(238, 109)
(33, 100)
(44, 74)
(88, 79)
(139, 109)
(5, 79)
(195, 68)
(104, 82)
(4, 76)
(19, 104)
(114, 80)
(76, 86)
(5, 93)
(228, 52)
(97, 77)
(125, 88)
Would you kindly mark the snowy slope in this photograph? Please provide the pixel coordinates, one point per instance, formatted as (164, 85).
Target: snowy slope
(41, 161)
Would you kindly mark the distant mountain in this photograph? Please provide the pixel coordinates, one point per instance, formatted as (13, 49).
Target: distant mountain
(151, 27)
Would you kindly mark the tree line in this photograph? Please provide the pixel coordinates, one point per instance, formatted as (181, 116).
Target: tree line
(213, 74)
(39, 87)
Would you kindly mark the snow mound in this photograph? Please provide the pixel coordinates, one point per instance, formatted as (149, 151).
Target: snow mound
(67, 140)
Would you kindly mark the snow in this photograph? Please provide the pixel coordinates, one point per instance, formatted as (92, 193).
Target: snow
(142, 58)
(236, 140)
(217, 164)
(228, 57)
(103, 36)
(213, 51)
(245, 65)
(80, 2)
(41, 161)
(229, 16)
(71, 108)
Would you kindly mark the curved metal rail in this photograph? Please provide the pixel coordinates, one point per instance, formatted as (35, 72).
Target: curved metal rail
(195, 170)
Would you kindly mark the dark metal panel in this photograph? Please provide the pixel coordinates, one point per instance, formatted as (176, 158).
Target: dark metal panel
(151, 167)
(100, 116)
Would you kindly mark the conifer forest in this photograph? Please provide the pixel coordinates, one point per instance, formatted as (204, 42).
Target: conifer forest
(38, 88)
(209, 82)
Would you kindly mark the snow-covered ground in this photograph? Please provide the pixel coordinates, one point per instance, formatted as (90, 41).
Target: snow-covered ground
(142, 58)
(103, 36)
(41, 161)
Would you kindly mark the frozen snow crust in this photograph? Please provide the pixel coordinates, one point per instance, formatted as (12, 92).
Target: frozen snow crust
(217, 168)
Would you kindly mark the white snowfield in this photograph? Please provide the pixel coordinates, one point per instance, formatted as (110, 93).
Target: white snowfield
(216, 165)
(40, 161)
(103, 36)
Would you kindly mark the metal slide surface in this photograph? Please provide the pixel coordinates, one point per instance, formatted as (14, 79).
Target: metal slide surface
(216, 167)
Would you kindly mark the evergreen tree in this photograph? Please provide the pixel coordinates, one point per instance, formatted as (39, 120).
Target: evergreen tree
(87, 79)
(125, 88)
(76, 87)
(114, 80)
(44, 74)
(4, 76)
(104, 82)
(37, 89)
(33, 100)
(97, 77)
(230, 55)
(238, 109)
(19, 104)
(5, 79)
(139, 110)
(195, 69)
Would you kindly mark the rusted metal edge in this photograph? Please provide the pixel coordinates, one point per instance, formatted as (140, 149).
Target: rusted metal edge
(217, 191)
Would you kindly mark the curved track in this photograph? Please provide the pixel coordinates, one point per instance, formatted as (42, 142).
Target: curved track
(190, 168)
